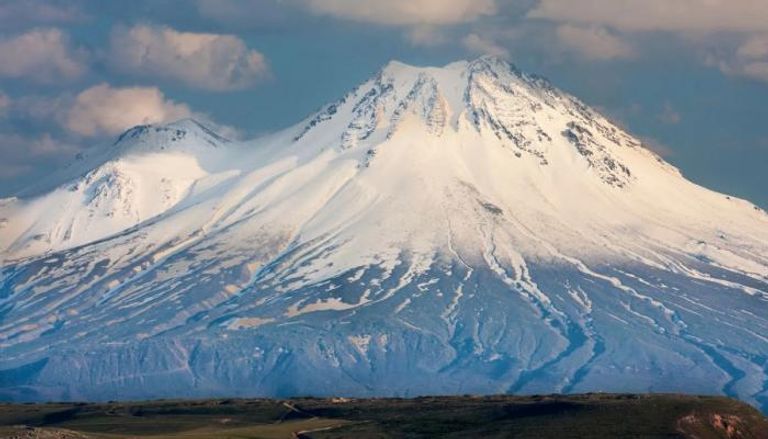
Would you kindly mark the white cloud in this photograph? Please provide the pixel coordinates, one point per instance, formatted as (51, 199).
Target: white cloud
(669, 116)
(22, 154)
(425, 36)
(103, 109)
(209, 61)
(659, 15)
(5, 102)
(248, 14)
(750, 60)
(754, 48)
(483, 46)
(404, 12)
(13, 13)
(54, 128)
(754, 70)
(702, 23)
(42, 55)
(593, 42)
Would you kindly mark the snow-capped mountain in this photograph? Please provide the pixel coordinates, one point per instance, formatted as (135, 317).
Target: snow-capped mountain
(464, 229)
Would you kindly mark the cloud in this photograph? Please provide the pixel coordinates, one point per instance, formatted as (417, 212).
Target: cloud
(425, 36)
(422, 19)
(404, 12)
(249, 14)
(106, 110)
(750, 60)
(23, 154)
(42, 133)
(5, 102)
(595, 27)
(669, 116)
(101, 111)
(755, 47)
(22, 13)
(754, 70)
(593, 42)
(659, 15)
(483, 46)
(42, 55)
(42, 145)
(205, 60)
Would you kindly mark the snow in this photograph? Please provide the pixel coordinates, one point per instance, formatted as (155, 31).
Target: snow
(247, 323)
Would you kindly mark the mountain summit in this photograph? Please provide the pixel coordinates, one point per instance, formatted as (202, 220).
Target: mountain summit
(464, 229)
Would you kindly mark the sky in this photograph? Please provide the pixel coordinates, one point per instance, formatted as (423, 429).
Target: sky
(689, 77)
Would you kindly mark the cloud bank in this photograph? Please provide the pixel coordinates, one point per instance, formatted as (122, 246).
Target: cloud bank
(593, 42)
(589, 26)
(5, 102)
(659, 15)
(17, 13)
(106, 110)
(751, 59)
(41, 55)
(203, 60)
(480, 45)
(404, 12)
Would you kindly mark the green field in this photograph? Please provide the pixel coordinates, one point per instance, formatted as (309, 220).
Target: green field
(578, 416)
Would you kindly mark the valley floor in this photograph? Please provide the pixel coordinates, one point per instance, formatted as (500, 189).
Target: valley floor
(573, 416)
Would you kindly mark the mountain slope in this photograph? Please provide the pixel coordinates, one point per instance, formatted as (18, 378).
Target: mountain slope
(438, 230)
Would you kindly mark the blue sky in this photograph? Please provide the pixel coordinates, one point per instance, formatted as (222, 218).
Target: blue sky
(690, 77)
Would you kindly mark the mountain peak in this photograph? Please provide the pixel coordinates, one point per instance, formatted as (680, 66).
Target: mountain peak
(487, 96)
(492, 61)
(494, 65)
(181, 134)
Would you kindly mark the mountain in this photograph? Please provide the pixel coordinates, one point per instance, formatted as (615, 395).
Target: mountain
(464, 229)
